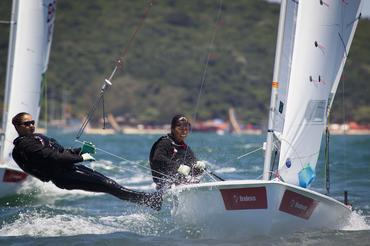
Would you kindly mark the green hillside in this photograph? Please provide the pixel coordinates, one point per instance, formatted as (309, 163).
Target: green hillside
(166, 62)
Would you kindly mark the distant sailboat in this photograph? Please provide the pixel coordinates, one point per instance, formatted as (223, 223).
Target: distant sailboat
(112, 121)
(313, 42)
(32, 23)
(235, 127)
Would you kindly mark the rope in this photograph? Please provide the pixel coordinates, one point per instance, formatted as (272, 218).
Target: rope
(135, 163)
(210, 175)
(249, 153)
(296, 152)
(244, 155)
(168, 177)
(89, 116)
(103, 104)
(241, 156)
(107, 82)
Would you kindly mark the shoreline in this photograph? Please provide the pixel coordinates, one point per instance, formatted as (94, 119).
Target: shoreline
(162, 131)
(350, 132)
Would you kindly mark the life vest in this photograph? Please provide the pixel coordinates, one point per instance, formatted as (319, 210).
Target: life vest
(34, 167)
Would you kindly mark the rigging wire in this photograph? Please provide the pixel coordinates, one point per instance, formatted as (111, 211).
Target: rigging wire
(205, 68)
(344, 120)
(249, 153)
(326, 159)
(211, 176)
(119, 64)
(242, 156)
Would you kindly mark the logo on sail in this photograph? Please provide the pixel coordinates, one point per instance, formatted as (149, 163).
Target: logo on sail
(244, 198)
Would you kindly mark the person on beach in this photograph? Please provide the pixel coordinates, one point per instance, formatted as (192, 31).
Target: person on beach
(171, 160)
(45, 159)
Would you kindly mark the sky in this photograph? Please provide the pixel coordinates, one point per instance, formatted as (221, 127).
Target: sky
(365, 7)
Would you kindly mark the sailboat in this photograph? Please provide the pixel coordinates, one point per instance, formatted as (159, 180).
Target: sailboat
(313, 42)
(32, 23)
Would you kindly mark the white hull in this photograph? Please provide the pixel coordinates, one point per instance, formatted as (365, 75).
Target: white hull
(254, 207)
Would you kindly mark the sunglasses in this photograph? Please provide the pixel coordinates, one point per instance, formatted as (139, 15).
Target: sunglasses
(28, 123)
(183, 126)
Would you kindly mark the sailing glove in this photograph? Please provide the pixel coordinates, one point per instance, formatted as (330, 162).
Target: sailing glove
(200, 165)
(184, 170)
(87, 157)
(88, 147)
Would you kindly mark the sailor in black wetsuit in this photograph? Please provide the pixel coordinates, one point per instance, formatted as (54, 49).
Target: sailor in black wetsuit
(172, 161)
(45, 159)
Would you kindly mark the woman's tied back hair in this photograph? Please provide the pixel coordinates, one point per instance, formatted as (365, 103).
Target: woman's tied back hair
(17, 120)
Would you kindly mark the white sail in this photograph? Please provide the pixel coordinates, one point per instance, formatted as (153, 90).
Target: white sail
(29, 46)
(323, 34)
(283, 73)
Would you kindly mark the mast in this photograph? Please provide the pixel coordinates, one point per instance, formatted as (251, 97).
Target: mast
(274, 93)
(11, 48)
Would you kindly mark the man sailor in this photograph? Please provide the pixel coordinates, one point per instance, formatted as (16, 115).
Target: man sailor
(44, 158)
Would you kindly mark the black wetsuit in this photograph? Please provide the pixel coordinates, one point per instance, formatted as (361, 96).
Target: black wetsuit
(165, 158)
(45, 159)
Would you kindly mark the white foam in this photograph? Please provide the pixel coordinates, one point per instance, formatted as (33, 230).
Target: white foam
(357, 222)
(146, 188)
(46, 225)
(103, 164)
(141, 223)
(252, 145)
(255, 168)
(226, 170)
(140, 178)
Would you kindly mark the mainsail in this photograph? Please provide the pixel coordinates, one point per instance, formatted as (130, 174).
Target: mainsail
(317, 38)
(29, 47)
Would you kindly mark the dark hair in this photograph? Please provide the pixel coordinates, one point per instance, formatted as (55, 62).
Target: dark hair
(17, 120)
(178, 118)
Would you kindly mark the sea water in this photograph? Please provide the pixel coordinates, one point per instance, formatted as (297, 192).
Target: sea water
(42, 214)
